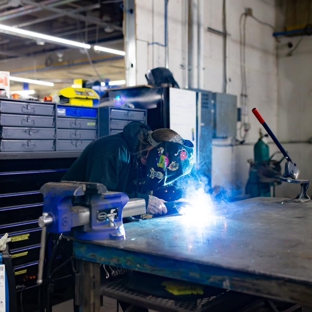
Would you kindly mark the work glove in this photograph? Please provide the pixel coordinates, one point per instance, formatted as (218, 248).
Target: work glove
(156, 205)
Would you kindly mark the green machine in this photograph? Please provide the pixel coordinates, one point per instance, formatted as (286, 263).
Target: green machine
(264, 172)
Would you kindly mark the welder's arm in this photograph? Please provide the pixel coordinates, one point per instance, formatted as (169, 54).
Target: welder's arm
(107, 169)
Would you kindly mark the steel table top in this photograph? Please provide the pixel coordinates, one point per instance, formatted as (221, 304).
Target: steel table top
(258, 246)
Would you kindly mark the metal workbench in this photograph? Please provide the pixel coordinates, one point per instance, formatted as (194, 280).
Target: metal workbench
(260, 246)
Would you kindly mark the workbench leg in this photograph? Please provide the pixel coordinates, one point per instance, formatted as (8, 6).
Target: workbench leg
(87, 287)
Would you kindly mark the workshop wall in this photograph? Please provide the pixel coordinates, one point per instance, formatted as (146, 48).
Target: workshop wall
(294, 86)
(230, 167)
(295, 90)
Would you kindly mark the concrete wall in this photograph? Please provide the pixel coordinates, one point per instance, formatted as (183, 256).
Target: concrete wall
(230, 166)
(295, 102)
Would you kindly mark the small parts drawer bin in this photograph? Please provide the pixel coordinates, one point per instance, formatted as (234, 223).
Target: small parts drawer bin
(80, 112)
(27, 133)
(73, 123)
(12, 107)
(74, 134)
(119, 124)
(72, 145)
(26, 145)
(115, 131)
(127, 114)
(26, 121)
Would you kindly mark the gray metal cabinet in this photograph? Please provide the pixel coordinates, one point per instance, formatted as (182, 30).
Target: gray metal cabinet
(26, 126)
(76, 127)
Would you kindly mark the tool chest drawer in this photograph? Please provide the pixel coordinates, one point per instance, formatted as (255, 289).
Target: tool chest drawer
(118, 124)
(20, 213)
(72, 145)
(76, 123)
(27, 133)
(80, 112)
(26, 145)
(127, 114)
(68, 134)
(26, 254)
(18, 226)
(25, 238)
(26, 121)
(26, 274)
(28, 108)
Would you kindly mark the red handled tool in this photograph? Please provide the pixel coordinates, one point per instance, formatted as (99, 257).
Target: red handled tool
(291, 169)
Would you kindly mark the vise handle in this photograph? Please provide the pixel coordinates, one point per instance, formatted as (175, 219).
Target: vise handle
(43, 222)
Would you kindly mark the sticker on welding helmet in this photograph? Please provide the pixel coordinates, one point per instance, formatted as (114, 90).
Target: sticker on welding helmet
(173, 166)
(183, 154)
(156, 174)
(162, 160)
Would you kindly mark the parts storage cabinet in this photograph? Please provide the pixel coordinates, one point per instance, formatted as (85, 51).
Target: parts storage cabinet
(112, 119)
(76, 127)
(26, 126)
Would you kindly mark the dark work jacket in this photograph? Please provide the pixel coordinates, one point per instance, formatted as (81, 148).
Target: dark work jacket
(112, 161)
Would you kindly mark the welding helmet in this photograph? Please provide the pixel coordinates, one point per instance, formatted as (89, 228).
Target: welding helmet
(168, 161)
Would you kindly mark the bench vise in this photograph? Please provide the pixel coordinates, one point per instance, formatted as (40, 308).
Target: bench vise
(86, 210)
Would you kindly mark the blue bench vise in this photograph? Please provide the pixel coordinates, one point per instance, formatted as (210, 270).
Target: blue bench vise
(85, 210)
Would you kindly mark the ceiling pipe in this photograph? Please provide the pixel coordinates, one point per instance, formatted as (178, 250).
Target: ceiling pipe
(48, 18)
(166, 35)
(185, 43)
(90, 20)
(304, 31)
(29, 9)
(116, 58)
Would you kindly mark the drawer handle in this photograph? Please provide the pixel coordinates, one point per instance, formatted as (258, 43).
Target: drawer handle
(75, 135)
(76, 143)
(75, 124)
(28, 121)
(29, 145)
(28, 109)
(31, 131)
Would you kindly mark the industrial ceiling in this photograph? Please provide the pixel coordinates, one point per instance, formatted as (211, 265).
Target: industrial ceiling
(96, 22)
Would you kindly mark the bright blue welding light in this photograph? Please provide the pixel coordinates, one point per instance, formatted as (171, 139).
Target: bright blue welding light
(118, 98)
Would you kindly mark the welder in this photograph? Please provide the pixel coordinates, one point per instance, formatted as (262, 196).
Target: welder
(136, 161)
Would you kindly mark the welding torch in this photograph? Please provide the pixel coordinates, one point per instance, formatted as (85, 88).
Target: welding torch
(291, 169)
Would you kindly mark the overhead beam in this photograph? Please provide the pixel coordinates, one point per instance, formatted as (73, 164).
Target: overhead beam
(85, 19)
(32, 8)
(51, 17)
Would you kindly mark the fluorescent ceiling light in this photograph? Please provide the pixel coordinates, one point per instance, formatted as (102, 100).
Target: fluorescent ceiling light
(114, 83)
(31, 34)
(32, 81)
(108, 50)
(24, 92)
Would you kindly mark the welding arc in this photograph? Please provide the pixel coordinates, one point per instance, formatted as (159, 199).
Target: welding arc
(271, 134)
